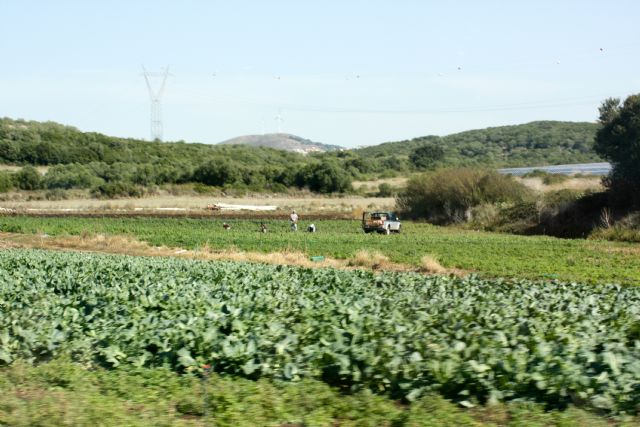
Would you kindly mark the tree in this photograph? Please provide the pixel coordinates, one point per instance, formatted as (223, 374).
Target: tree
(427, 156)
(447, 195)
(217, 172)
(69, 176)
(385, 190)
(618, 140)
(6, 183)
(325, 177)
(28, 178)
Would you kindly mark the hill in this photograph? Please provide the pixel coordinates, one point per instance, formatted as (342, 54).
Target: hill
(120, 166)
(530, 144)
(113, 166)
(282, 141)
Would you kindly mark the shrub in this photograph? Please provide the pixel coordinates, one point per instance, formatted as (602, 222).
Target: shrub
(111, 190)
(56, 194)
(70, 176)
(430, 264)
(365, 258)
(6, 183)
(386, 190)
(218, 172)
(618, 233)
(427, 156)
(546, 177)
(28, 178)
(484, 216)
(325, 177)
(618, 141)
(448, 195)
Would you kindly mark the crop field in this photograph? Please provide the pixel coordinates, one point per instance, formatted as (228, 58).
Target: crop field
(488, 254)
(400, 335)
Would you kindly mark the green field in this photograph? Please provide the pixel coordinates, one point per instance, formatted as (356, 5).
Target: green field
(488, 254)
(402, 335)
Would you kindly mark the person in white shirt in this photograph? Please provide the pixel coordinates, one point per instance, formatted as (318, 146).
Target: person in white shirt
(293, 218)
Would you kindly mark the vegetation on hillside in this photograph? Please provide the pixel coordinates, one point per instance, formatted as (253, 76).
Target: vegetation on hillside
(111, 166)
(458, 195)
(531, 144)
(125, 167)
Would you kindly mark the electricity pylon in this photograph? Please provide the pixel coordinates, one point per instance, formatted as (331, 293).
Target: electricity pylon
(156, 97)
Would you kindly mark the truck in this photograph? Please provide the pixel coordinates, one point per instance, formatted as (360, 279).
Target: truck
(381, 222)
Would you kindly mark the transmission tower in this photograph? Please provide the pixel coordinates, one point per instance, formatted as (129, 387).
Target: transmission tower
(156, 97)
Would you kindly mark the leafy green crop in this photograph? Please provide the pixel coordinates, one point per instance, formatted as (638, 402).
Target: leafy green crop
(400, 334)
(488, 254)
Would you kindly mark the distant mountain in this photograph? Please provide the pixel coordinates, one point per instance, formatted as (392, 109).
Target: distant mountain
(282, 141)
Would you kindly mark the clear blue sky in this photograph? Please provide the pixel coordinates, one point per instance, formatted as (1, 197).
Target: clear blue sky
(350, 72)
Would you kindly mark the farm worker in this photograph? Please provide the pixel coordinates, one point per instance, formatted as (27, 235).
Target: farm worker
(311, 228)
(293, 218)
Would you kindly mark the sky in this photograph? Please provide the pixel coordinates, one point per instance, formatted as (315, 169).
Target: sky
(351, 73)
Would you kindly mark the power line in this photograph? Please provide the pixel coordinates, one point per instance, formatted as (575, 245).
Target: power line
(525, 105)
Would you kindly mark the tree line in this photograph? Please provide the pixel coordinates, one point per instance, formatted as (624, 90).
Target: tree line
(112, 166)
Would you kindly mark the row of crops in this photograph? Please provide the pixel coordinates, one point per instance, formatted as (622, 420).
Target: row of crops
(490, 254)
(397, 334)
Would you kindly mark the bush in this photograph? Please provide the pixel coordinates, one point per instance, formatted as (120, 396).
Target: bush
(70, 176)
(626, 229)
(427, 156)
(386, 190)
(6, 183)
(28, 178)
(617, 233)
(111, 190)
(217, 172)
(618, 141)
(56, 194)
(546, 177)
(447, 195)
(325, 177)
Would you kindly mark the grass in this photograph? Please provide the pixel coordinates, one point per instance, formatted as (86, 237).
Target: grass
(563, 182)
(430, 264)
(364, 258)
(488, 254)
(60, 392)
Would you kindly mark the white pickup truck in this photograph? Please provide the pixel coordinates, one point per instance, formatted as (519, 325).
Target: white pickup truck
(381, 222)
